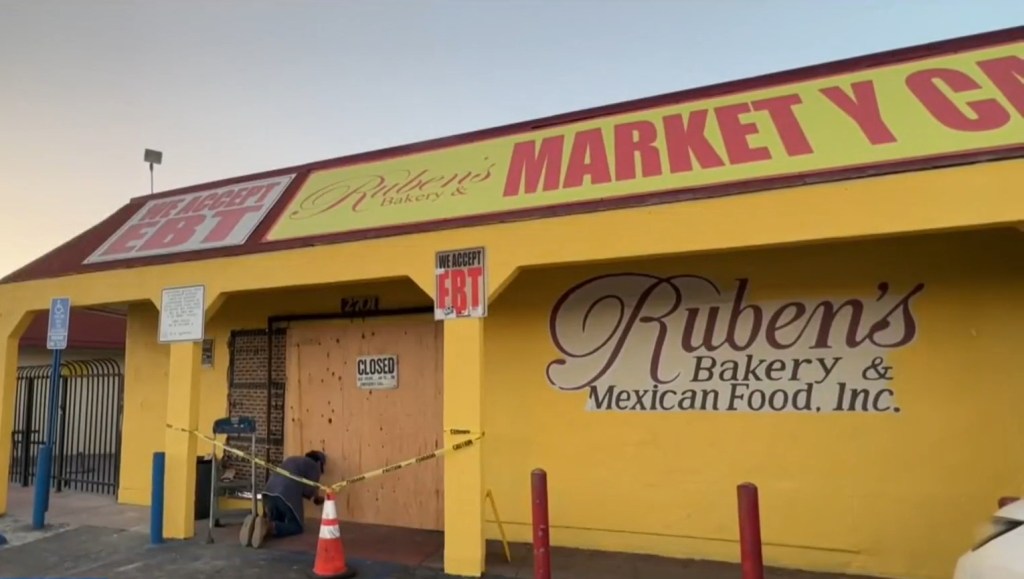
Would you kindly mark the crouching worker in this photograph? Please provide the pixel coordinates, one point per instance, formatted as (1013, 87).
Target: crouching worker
(282, 500)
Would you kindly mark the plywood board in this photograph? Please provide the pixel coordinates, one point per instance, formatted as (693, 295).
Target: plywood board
(363, 430)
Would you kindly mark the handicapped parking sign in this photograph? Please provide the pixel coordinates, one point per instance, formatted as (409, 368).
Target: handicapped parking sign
(60, 320)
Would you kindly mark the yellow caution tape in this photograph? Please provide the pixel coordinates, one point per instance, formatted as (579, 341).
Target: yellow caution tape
(339, 485)
(398, 466)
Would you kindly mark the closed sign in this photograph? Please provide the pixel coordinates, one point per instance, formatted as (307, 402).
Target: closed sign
(377, 372)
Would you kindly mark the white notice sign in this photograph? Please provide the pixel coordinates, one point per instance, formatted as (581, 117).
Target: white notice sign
(377, 372)
(183, 314)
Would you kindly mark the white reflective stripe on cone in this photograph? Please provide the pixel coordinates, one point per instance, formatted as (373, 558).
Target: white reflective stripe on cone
(330, 511)
(331, 532)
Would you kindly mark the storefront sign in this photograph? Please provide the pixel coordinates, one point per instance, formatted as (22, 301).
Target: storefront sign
(461, 284)
(638, 342)
(183, 314)
(377, 372)
(204, 220)
(954, 103)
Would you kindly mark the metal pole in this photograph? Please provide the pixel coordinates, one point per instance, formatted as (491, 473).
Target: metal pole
(541, 528)
(42, 488)
(751, 559)
(51, 418)
(156, 501)
(252, 470)
(212, 519)
(41, 499)
(61, 445)
(151, 178)
(26, 430)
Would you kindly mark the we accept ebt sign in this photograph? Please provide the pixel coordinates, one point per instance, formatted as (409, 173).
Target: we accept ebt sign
(637, 342)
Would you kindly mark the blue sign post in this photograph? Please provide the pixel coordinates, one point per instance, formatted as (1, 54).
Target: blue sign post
(57, 342)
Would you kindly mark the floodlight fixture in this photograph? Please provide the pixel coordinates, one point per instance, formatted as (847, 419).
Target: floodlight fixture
(153, 158)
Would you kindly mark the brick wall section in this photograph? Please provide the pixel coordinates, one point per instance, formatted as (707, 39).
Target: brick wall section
(247, 396)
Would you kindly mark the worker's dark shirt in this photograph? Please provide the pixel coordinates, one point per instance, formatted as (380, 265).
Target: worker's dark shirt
(292, 491)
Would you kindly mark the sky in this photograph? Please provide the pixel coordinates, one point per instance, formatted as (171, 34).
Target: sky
(233, 87)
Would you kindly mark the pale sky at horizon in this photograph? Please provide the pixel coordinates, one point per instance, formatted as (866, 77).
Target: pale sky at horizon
(238, 86)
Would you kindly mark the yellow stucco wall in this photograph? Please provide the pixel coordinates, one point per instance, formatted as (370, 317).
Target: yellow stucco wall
(145, 403)
(890, 494)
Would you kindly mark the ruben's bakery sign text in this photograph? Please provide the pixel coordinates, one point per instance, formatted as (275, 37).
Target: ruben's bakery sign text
(638, 342)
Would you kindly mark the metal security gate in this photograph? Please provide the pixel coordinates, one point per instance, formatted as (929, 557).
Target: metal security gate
(87, 455)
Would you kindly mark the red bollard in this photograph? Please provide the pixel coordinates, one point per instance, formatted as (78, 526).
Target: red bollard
(751, 560)
(541, 530)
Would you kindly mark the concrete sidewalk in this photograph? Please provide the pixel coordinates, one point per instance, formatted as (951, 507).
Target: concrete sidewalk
(91, 536)
(117, 554)
(89, 551)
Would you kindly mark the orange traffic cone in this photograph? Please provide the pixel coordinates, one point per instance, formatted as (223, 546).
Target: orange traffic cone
(330, 552)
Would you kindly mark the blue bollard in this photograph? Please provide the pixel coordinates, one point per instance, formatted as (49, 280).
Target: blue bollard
(42, 489)
(156, 501)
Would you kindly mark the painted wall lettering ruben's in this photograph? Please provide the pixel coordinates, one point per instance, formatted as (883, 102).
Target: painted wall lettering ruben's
(638, 342)
(203, 220)
(966, 101)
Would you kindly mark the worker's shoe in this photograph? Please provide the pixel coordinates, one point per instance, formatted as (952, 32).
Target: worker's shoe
(245, 534)
(260, 530)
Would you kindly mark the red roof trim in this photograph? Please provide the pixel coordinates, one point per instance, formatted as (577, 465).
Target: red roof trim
(67, 259)
(89, 330)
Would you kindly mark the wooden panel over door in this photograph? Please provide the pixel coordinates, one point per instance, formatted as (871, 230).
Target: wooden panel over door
(362, 430)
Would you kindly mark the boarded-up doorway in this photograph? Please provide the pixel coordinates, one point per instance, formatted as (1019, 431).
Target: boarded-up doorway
(363, 430)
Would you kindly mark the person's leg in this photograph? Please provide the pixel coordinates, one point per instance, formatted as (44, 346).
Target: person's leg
(278, 521)
(291, 525)
(245, 534)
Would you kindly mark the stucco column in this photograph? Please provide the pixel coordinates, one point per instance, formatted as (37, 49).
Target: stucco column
(11, 328)
(463, 470)
(8, 388)
(180, 447)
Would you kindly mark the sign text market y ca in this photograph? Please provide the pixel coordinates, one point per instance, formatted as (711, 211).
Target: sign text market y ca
(941, 105)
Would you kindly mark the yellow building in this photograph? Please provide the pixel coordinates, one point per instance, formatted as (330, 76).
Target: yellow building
(810, 280)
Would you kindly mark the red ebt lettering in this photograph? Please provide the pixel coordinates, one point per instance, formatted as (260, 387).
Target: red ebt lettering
(227, 222)
(127, 241)
(174, 232)
(460, 289)
(474, 277)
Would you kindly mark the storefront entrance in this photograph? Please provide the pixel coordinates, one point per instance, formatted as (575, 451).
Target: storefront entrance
(362, 429)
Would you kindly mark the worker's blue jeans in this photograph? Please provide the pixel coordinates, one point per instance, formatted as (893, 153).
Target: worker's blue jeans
(283, 521)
